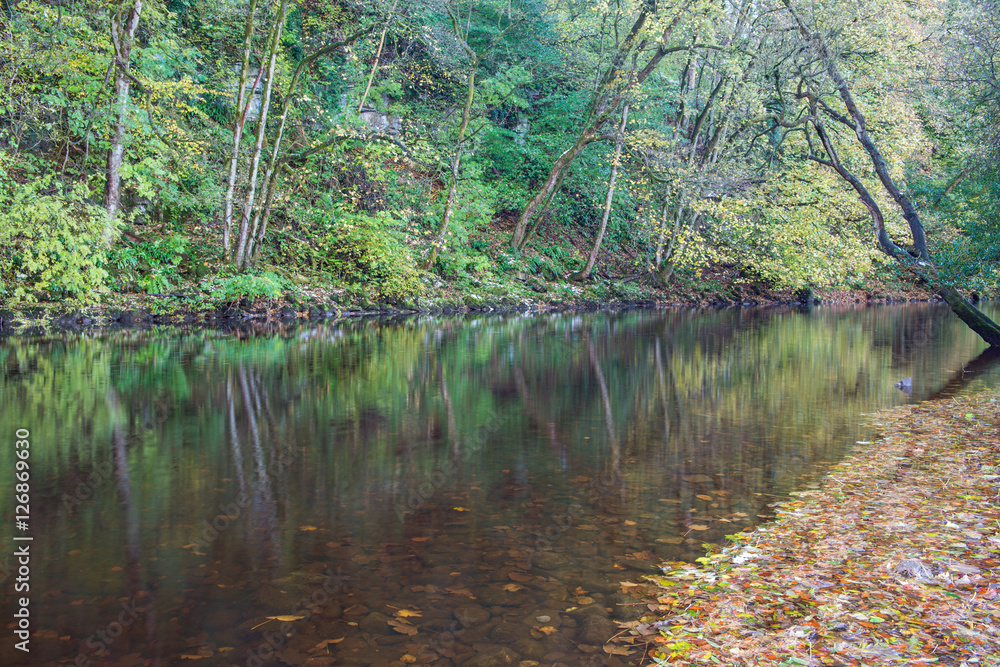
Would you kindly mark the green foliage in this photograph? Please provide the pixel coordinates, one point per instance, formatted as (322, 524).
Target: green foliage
(51, 244)
(472, 213)
(151, 266)
(966, 233)
(364, 249)
(250, 285)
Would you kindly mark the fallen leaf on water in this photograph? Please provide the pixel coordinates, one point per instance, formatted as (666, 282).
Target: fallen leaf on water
(513, 588)
(307, 527)
(323, 644)
(402, 627)
(404, 613)
(698, 526)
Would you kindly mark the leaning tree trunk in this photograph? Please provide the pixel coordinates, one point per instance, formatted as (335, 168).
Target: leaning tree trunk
(122, 38)
(610, 95)
(619, 140)
(976, 319)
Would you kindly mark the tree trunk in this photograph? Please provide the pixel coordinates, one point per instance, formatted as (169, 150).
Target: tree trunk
(669, 264)
(378, 54)
(606, 99)
(279, 23)
(534, 207)
(122, 38)
(976, 320)
(455, 164)
(857, 123)
(263, 212)
(242, 106)
(585, 273)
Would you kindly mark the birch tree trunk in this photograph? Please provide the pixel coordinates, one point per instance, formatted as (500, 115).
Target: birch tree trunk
(619, 140)
(122, 38)
(455, 164)
(242, 106)
(279, 22)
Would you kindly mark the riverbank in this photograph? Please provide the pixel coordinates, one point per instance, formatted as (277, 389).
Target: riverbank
(894, 560)
(214, 304)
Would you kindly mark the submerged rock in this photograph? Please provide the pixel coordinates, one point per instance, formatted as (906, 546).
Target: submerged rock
(596, 630)
(494, 656)
(375, 623)
(471, 614)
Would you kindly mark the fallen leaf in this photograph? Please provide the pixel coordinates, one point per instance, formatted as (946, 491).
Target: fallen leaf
(323, 644)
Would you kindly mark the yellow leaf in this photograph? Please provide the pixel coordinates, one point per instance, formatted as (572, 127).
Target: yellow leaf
(698, 526)
(406, 612)
(286, 617)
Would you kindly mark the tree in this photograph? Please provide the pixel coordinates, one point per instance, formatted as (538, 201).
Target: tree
(254, 216)
(917, 259)
(649, 37)
(122, 38)
(584, 273)
(462, 37)
(242, 108)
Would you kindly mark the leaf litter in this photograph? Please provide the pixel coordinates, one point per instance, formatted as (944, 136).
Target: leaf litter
(894, 560)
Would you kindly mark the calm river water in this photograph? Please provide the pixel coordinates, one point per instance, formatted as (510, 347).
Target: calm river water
(447, 491)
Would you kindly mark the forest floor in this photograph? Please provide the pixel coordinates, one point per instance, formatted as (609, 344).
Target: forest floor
(894, 560)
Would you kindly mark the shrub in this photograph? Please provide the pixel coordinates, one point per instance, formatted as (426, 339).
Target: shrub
(264, 285)
(51, 244)
(363, 248)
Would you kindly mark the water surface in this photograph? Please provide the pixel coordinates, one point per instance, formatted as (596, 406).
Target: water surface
(421, 490)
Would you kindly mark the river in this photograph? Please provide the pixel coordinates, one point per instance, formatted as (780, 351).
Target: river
(459, 490)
